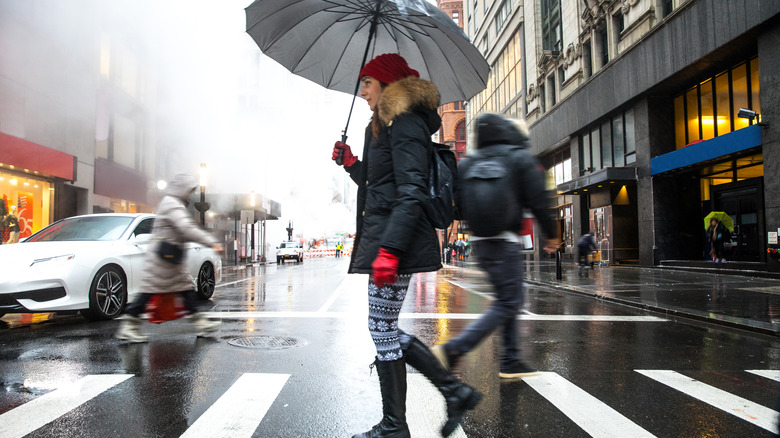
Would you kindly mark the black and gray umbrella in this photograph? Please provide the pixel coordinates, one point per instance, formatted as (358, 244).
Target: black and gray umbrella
(329, 41)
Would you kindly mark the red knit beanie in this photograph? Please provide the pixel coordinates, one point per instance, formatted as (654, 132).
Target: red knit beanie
(388, 68)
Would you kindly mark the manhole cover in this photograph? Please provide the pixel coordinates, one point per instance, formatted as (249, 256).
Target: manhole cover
(267, 342)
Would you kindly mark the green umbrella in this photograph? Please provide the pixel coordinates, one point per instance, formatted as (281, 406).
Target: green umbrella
(721, 217)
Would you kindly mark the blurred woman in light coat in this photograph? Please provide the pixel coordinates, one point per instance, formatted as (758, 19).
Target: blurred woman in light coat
(173, 224)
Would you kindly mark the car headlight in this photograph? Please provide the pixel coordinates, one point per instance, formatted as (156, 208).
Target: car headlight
(61, 258)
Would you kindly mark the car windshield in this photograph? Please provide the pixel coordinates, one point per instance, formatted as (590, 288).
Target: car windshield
(84, 229)
(288, 245)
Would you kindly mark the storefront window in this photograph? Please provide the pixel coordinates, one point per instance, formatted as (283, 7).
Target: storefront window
(754, 87)
(740, 94)
(705, 112)
(730, 171)
(32, 198)
(692, 101)
(722, 104)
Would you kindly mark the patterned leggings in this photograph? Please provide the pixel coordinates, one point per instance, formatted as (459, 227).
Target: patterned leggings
(384, 305)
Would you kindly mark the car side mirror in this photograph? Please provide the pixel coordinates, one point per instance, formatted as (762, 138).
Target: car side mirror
(141, 238)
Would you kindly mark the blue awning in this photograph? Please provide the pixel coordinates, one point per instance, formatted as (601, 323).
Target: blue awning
(721, 146)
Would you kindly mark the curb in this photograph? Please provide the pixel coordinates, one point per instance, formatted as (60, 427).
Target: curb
(658, 309)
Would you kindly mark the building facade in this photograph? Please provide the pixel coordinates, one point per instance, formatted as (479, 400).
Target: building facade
(643, 113)
(77, 114)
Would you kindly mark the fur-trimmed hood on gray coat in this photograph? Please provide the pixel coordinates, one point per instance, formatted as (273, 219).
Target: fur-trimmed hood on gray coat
(392, 180)
(174, 224)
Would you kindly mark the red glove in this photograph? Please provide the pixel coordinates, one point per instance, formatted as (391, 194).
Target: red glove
(348, 159)
(385, 268)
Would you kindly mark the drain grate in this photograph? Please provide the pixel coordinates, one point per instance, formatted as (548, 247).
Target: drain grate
(267, 342)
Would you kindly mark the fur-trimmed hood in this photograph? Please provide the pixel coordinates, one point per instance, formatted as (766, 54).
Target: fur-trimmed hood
(405, 95)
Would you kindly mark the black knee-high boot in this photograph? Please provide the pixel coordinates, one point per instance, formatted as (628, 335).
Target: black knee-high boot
(392, 383)
(459, 396)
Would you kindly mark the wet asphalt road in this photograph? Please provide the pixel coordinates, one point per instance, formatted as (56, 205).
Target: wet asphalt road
(609, 370)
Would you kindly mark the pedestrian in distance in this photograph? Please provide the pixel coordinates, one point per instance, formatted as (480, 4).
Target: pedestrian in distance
(394, 237)
(164, 269)
(717, 234)
(496, 183)
(3, 214)
(11, 222)
(585, 246)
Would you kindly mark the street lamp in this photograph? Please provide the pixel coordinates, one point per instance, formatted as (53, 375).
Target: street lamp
(202, 206)
(252, 238)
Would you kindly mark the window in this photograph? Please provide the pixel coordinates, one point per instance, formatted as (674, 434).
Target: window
(587, 62)
(709, 109)
(456, 17)
(503, 14)
(610, 144)
(552, 32)
(485, 44)
(667, 7)
(145, 227)
(602, 34)
(460, 131)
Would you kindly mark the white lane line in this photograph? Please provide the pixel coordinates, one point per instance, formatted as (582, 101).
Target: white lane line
(239, 411)
(591, 414)
(742, 408)
(36, 413)
(769, 374)
(235, 282)
(464, 287)
(453, 316)
(349, 282)
(425, 408)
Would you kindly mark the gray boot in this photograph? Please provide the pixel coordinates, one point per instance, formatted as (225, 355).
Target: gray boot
(203, 325)
(130, 329)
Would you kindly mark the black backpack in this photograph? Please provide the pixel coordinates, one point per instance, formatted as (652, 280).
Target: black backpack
(489, 202)
(442, 183)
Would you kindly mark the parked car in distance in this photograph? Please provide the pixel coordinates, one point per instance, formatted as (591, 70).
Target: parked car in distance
(91, 264)
(289, 251)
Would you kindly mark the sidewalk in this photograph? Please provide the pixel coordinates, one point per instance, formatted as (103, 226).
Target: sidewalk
(749, 303)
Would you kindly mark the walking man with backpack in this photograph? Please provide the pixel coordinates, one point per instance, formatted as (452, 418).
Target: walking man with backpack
(496, 183)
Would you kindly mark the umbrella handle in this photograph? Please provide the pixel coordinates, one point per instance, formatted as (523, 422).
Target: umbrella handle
(340, 157)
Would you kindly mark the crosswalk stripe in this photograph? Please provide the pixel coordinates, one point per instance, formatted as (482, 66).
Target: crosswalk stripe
(36, 413)
(739, 407)
(591, 414)
(425, 409)
(239, 411)
(452, 316)
(769, 374)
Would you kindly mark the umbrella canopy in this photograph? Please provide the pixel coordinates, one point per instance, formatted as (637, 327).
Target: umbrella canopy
(328, 41)
(722, 217)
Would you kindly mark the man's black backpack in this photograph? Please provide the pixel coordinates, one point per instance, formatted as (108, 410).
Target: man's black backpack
(489, 202)
(442, 183)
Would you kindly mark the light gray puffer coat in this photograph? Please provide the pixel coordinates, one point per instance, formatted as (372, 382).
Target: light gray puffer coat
(173, 223)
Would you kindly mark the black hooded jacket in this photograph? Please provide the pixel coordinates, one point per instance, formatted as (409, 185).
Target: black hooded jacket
(392, 181)
(498, 136)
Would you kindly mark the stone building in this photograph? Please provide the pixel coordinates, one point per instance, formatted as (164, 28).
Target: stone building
(642, 111)
(78, 110)
(453, 115)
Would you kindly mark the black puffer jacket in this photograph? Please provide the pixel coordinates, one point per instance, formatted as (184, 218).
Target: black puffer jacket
(392, 181)
(498, 136)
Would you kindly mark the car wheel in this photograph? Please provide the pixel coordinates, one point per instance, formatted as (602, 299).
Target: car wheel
(300, 259)
(278, 260)
(107, 295)
(206, 281)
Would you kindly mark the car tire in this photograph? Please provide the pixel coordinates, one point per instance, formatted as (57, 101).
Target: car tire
(279, 261)
(107, 294)
(300, 259)
(207, 281)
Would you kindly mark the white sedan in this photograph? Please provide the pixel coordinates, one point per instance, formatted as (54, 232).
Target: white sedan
(89, 263)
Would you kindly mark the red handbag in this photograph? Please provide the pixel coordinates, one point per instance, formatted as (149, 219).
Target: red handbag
(165, 307)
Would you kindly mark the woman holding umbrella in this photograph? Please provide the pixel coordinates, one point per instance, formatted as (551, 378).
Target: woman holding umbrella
(716, 234)
(394, 238)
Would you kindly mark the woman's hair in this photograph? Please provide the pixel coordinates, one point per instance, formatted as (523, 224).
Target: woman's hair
(376, 122)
